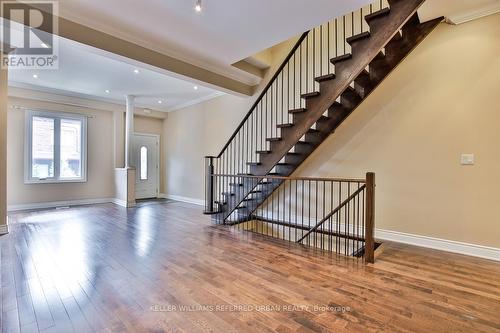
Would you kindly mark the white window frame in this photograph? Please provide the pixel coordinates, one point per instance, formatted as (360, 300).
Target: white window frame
(28, 149)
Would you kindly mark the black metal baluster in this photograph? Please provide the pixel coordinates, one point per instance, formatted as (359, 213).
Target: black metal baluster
(337, 227)
(314, 61)
(343, 33)
(352, 24)
(307, 64)
(290, 210)
(330, 245)
(336, 38)
(316, 214)
(309, 213)
(282, 96)
(328, 45)
(321, 50)
(324, 214)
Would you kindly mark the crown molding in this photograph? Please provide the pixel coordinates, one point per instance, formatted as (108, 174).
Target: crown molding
(96, 103)
(473, 15)
(197, 101)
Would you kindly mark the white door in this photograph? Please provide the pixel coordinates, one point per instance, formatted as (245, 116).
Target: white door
(145, 151)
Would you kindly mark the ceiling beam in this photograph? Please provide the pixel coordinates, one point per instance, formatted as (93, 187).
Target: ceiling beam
(88, 36)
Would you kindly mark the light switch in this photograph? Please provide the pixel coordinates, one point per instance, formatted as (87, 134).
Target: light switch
(467, 159)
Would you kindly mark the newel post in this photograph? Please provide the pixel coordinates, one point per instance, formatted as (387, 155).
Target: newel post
(209, 185)
(370, 218)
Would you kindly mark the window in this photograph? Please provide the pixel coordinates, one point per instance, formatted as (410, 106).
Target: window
(55, 147)
(144, 163)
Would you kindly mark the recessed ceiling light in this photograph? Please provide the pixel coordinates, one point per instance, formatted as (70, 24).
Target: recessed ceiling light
(197, 6)
(35, 76)
(195, 87)
(160, 102)
(136, 71)
(107, 91)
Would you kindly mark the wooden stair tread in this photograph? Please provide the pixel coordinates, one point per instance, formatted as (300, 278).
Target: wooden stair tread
(284, 125)
(377, 14)
(273, 139)
(341, 58)
(297, 110)
(358, 37)
(326, 77)
(310, 95)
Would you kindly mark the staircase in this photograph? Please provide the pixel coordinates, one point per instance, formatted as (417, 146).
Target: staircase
(328, 73)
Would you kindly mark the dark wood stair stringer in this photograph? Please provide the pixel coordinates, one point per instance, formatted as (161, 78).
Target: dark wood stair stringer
(338, 113)
(365, 51)
(382, 31)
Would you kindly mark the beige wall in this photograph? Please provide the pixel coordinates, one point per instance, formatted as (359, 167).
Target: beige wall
(105, 153)
(203, 129)
(100, 174)
(195, 132)
(440, 102)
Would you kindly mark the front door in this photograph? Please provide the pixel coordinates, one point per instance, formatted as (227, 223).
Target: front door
(145, 150)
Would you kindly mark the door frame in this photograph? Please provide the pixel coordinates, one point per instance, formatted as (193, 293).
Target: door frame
(157, 137)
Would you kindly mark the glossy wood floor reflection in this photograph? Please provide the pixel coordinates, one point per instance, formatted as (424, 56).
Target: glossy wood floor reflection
(107, 269)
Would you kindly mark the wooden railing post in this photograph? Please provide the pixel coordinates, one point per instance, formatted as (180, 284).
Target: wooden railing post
(370, 218)
(209, 179)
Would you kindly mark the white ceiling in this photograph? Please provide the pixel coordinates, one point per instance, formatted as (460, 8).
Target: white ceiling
(88, 73)
(225, 32)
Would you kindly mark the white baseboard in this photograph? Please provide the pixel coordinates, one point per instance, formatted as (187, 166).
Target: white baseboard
(4, 229)
(440, 244)
(183, 199)
(122, 203)
(55, 204)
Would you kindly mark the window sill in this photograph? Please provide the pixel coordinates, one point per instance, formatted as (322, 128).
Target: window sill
(55, 181)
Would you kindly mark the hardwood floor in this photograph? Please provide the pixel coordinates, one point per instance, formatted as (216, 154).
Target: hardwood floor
(107, 269)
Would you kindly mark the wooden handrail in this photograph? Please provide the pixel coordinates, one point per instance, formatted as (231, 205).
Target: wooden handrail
(346, 180)
(333, 212)
(263, 93)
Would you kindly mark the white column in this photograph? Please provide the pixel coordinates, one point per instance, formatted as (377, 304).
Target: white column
(129, 129)
(3, 150)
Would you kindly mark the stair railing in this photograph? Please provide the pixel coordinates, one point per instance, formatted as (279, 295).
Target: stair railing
(335, 215)
(308, 60)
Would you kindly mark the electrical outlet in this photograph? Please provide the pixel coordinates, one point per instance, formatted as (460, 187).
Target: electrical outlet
(467, 159)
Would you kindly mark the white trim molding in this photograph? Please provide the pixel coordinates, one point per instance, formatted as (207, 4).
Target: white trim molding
(56, 204)
(197, 101)
(68, 203)
(440, 244)
(473, 15)
(4, 229)
(123, 203)
(180, 198)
